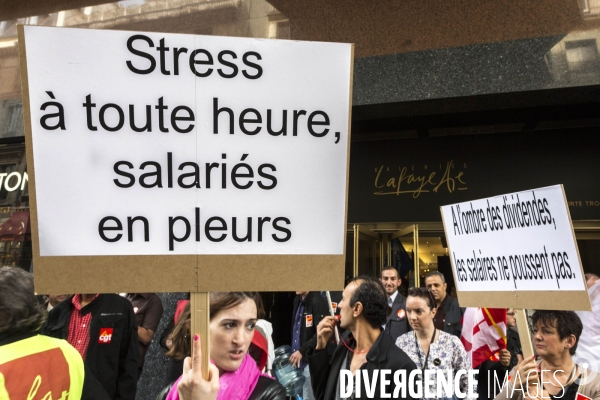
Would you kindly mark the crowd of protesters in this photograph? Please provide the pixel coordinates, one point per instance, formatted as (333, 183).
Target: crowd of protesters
(93, 346)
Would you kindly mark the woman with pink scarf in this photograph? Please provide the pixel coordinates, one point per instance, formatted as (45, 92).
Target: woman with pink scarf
(233, 373)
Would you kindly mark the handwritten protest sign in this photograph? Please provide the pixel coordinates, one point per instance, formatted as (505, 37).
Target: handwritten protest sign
(165, 162)
(516, 250)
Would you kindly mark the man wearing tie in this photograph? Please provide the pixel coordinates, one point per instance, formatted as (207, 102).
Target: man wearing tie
(396, 323)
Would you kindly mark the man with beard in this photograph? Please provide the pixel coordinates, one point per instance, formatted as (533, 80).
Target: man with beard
(396, 323)
(364, 347)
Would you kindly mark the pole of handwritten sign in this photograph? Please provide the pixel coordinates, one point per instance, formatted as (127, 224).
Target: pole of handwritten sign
(523, 325)
(200, 320)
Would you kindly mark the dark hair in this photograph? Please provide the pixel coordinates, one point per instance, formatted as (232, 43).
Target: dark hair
(567, 323)
(219, 301)
(424, 294)
(436, 273)
(371, 294)
(260, 308)
(388, 268)
(180, 336)
(19, 309)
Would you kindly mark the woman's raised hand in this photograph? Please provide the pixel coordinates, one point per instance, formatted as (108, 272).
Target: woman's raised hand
(526, 374)
(192, 385)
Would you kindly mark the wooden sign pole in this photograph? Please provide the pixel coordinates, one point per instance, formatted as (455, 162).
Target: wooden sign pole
(526, 346)
(523, 325)
(200, 320)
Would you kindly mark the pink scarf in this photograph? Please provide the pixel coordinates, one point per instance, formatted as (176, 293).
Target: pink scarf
(235, 385)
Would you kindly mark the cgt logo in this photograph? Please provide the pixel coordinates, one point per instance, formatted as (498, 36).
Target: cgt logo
(105, 335)
(309, 320)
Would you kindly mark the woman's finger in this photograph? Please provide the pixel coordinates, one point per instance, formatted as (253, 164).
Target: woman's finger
(192, 385)
(197, 356)
(528, 364)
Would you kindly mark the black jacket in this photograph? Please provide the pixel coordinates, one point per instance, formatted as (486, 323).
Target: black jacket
(113, 364)
(383, 355)
(397, 323)
(315, 308)
(267, 389)
(454, 314)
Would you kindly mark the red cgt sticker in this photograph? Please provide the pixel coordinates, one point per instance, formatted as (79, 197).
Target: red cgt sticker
(105, 335)
(309, 320)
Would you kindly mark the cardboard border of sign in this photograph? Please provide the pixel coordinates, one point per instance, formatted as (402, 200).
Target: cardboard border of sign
(543, 300)
(177, 273)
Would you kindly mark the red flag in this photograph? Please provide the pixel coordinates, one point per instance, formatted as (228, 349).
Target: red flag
(484, 334)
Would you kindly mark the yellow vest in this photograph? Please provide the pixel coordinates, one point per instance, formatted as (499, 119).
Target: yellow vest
(40, 368)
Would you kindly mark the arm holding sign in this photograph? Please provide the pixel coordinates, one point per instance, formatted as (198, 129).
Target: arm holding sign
(518, 382)
(192, 385)
(516, 389)
(556, 334)
(233, 373)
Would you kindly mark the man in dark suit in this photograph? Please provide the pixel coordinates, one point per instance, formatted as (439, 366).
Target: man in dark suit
(396, 323)
(365, 346)
(309, 310)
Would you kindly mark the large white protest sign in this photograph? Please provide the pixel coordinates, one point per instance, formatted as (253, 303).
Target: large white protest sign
(515, 250)
(153, 144)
